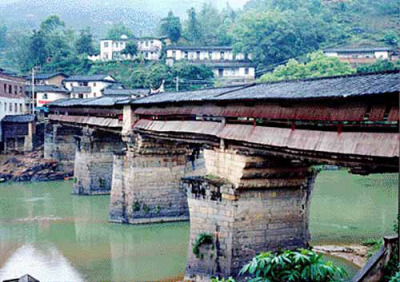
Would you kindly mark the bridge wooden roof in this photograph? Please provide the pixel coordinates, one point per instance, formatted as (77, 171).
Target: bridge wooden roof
(314, 88)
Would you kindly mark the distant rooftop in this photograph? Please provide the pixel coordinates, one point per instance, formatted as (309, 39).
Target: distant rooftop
(198, 48)
(46, 88)
(42, 76)
(361, 49)
(86, 78)
(140, 92)
(104, 101)
(19, 118)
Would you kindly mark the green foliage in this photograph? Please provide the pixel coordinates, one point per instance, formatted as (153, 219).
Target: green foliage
(171, 27)
(395, 277)
(230, 279)
(3, 36)
(136, 206)
(117, 30)
(146, 208)
(192, 29)
(130, 49)
(84, 43)
(51, 23)
(378, 66)
(301, 266)
(391, 38)
(202, 239)
(374, 245)
(318, 65)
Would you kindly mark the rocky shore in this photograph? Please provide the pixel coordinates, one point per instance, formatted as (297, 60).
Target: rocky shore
(356, 254)
(28, 167)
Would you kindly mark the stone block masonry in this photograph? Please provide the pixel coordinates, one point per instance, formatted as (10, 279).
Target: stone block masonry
(94, 159)
(248, 204)
(146, 181)
(59, 145)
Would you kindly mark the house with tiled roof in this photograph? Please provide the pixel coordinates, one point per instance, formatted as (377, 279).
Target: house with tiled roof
(361, 55)
(48, 78)
(224, 63)
(88, 86)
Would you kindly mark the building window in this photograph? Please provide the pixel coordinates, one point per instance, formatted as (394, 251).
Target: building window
(174, 54)
(5, 106)
(105, 44)
(45, 97)
(15, 89)
(94, 94)
(20, 89)
(246, 70)
(10, 89)
(222, 55)
(210, 55)
(5, 88)
(16, 107)
(147, 43)
(10, 108)
(20, 107)
(198, 55)
(185, 55)
(220, 72)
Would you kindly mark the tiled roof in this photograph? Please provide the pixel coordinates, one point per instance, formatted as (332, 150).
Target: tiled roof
(98, 101)
(199, 48)
(222, 64)
(125, 92)
(41, 76)
(81, 89)
(19, 118)
(46, 88)
(328, 87)
(96, 77)
(361, 49)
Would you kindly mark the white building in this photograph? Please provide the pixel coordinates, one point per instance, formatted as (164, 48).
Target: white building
(360, 55)
(89, 86)
(111, 50)
(223, 61)
(12, 96)
(45, 94)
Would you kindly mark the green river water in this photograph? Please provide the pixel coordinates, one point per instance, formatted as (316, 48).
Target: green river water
(54, 236)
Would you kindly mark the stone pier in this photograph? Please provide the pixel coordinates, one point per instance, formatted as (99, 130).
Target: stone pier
(245, 205)
(146, 181)
(94, 161)
(59, 145)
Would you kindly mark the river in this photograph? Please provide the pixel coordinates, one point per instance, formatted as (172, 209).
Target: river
(55, 236)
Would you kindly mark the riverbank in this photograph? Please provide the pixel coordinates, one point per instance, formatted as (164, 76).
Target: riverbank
(23, 167)
(356, 254)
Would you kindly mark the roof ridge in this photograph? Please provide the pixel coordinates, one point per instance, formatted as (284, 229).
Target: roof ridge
(328, 77)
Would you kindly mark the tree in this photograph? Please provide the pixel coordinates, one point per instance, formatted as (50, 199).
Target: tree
(37, 48)
(192, 28)
(318, 65)
(171, 27)
(3, 36)
(297, 266)
(378, 66)
(190, 74)
(84, 43)
(210, 20)
(274, 37)
(117, 30)
(131, 49)
(51, 23)
(391, 38)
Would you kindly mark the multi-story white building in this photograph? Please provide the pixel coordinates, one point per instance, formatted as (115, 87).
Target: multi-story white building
(45, 94)
(361, 55)
(223, 61)
(89, 86)
(12, 96)
(111, 50)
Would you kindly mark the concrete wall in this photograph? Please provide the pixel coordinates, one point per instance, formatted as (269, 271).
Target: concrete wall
(259, 205)
(146, 182)
(59, 145)
(94, 162)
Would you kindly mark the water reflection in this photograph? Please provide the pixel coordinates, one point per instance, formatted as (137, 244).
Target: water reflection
(47, 232)
(45, 264)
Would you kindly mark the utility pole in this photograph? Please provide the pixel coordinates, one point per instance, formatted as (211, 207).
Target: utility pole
(31, 110)
(177, 83)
